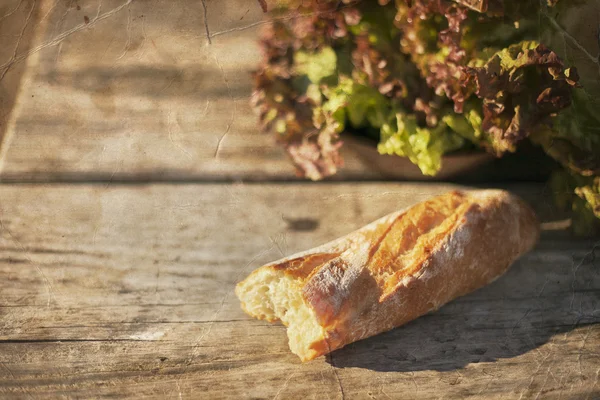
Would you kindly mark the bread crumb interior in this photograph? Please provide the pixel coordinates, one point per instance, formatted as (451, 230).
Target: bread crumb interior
(274, 295)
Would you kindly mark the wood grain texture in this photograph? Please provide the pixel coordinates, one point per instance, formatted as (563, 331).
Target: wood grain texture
(131, 90)
(127, 291)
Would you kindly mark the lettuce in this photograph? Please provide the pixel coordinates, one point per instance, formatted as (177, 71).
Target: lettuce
(581, 196)
(571, 30)
(521, 87)
(591, 194)
(317, 65)
(429, 77)
(467, 125)
(423, 146)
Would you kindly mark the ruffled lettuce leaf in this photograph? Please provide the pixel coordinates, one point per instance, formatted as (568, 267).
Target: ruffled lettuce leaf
(571, 30)
(573, 139)
(423, 146)
(431, 76)
(521, 87)
(331, 66)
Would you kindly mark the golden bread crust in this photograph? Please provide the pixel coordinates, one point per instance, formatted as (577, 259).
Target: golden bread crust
(408, 263)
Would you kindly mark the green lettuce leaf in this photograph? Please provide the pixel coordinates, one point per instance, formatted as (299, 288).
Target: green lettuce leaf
(361, 105)
(591, 194)
(467, 125)
(423, 146)
(316, 66)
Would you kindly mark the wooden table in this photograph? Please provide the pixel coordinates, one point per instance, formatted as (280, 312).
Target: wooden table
(136, 193)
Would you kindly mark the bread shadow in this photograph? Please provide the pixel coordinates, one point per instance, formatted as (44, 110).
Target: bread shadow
(552, 290)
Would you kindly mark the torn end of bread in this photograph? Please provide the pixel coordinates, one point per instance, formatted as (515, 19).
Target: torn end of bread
(275, 296)
(391, 271)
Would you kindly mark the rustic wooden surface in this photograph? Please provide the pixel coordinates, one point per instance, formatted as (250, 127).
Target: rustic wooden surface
(127, 290)
(141, 87)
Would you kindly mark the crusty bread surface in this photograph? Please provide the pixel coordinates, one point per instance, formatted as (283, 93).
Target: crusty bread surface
(391, 271)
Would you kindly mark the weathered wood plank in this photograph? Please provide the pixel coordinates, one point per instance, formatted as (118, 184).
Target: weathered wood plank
(126, 291)
(124, 90)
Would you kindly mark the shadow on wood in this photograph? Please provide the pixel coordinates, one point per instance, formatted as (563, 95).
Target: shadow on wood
(544, 296)
(193, 82)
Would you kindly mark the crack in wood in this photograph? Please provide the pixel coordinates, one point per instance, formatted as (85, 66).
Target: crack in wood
(59, 38)
(233, 112)
(287, 381)
(335, 373)
(170, 132)
(148, 322)
(58, 340)
(208, 36)
(11, 12)
(589, 257)
(128, 30)
(270, 20)
(10, 62)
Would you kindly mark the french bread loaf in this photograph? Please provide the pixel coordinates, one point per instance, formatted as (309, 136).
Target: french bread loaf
(391, 271)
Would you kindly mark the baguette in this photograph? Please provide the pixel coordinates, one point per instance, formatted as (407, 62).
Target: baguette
(391, 271)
